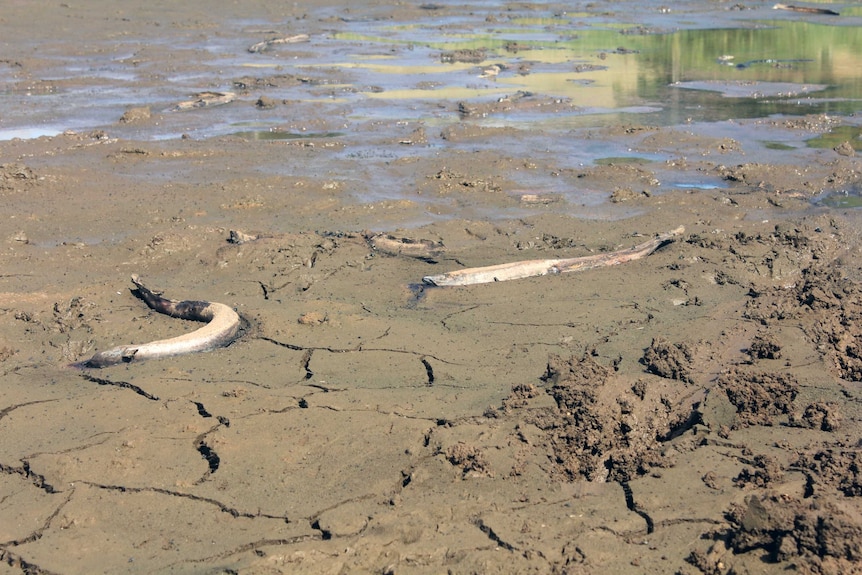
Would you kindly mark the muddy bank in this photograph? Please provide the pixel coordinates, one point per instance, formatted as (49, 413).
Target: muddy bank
(369, 422)
(695, 411)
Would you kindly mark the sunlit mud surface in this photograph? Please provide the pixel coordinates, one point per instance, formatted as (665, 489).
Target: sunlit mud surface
(696, 410)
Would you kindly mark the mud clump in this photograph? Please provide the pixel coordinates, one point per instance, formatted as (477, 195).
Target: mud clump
(520, 396)
(840, 331)
(751, 173)
(620, 195)
(469, 458)
(819, 415)
(601, 435)
(765, 470)
(830, 307)
(670, 360)
(813, 536)
(13, 174)
(845, 149)
(581, 442)
(518, 102)
(468, 56)
(135, 115)
(759, 397)
(840, 467)
(266, 103)
(764, 347)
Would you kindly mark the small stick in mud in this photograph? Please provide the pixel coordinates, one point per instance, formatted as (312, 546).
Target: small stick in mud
(223, 325)
(263, 46)
(425, 250)
(806, 10)
(533, 268)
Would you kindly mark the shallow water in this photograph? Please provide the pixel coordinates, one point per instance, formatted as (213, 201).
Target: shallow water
(384, 75)
(611, 72)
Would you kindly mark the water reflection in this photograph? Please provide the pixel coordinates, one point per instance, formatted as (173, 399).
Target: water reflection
(602, 69)
(837, 136)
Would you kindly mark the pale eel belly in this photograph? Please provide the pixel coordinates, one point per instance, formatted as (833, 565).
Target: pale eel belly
(222, 327)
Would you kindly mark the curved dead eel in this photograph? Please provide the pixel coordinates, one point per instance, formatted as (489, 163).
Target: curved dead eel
(223, 326)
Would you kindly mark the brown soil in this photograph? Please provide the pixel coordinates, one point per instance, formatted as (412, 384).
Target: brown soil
(698, 410)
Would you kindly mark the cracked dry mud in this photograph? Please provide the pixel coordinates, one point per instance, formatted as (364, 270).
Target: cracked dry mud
(697, 411)
(514, 426)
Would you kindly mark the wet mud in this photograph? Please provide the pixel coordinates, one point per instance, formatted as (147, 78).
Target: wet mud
(698, 410)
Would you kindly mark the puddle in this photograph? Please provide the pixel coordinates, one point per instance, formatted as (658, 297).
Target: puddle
(838, 136)
(843, 199)
(697, 186)
(281, 135)
(753, 90)
(778, 146)
(634, 160)
(29, 133)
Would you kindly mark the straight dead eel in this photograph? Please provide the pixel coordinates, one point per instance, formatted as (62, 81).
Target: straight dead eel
(533, 268)
(223, 326)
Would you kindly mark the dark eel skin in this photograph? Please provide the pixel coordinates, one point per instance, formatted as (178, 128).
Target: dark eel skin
(223, 326)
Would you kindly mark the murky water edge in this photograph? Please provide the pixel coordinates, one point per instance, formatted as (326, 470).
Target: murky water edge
(541, 71)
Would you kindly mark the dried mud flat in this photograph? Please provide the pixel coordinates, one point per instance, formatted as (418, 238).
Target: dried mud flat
(696, 411)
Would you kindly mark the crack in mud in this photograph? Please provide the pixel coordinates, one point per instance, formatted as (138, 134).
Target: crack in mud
(264, 289)
(519, 324)
(233, 512)
(635, 536)
(359, 348)
(207, 452)
(324, 534)
(7, 410)
(429, 370)
(325, 388)
(236, 381)
(302, 403)
(453, 314)
(16, 561)
(306, 361)
(632, 506)
(406, 352)
(252, 545)
(487, 530)
(287, 345)
(212, 458)
(123, 384)
(202, 411)
(26, 472)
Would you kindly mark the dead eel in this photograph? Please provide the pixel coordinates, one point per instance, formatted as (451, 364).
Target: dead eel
(533, 268)
(223, 326)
